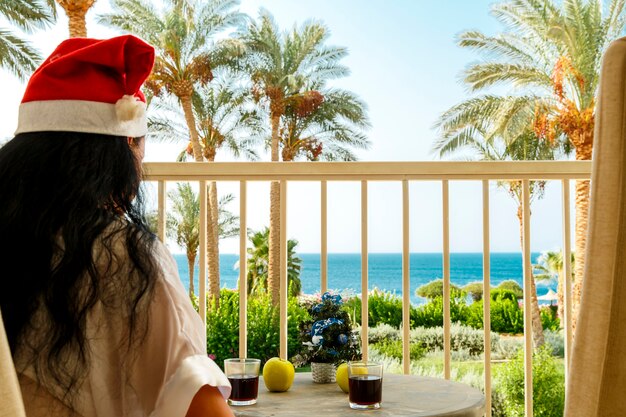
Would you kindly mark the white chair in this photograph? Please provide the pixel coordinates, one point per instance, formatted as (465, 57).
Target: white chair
(11, 404)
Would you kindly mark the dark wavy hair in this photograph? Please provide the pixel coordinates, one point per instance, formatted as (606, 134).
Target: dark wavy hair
(63, 197)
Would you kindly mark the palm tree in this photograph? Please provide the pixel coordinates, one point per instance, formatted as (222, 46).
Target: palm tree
(550, 53)
(16, 54)
(183, 224)
(76, 11)
(284, 67)
(258, 264)
(187, 56)
(184, 221)
(324, 131)
(183, 36)
(223, 122)
(550, 265)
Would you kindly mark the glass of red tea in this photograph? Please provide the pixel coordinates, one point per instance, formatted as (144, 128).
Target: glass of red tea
(365, 382)
(243, 374)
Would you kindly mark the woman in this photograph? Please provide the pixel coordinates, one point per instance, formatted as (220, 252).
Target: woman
(97, 319)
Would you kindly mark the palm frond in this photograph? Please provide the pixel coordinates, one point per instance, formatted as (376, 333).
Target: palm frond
(502, 46)
(489, 74)
(17, 55)
(135, 16)
(29, 15)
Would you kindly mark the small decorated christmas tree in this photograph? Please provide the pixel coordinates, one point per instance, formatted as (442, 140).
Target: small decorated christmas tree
(328, 337)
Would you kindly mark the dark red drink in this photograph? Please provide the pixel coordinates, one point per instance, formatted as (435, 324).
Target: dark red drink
(366, 390)
(245, 388)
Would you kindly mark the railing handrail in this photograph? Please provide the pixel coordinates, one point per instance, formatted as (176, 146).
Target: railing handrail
(368, 171)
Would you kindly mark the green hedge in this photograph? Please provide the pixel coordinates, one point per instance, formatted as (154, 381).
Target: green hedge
(506, 315)
(462, 338)
(384, 308)
(263, 326)
(393, 349)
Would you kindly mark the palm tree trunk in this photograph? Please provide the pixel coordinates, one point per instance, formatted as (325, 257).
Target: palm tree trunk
(273, 269)
(560, 298)
(534, 303)
(77, 24)
(185, 101)
(76, 11)
(213, 251)
(191, 260)
(583, 153)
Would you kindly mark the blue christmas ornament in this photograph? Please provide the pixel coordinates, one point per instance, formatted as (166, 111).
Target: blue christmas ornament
(319, 326)
(335, 299)
(342, 339)
(317, 340)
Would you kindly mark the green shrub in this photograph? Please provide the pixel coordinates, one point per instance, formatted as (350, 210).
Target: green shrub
(434, 289)
(555, 341)
(431, 313)
(548, 385)
(393, 349)
(352, 306)
(383, 308)
(382, 332)
(506, 316)
(499, 294)
(222, 326)
(263, 326)
(475, 290)
(461, 338)
(505, 313)
(511, 285)
(507, 348)
(549, 318)
(474, 315)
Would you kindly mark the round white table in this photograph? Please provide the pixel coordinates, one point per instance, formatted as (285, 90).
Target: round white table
(403, 395)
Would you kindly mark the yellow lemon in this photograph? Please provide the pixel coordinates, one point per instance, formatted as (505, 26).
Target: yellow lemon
(341, 376)
(359, 370)
(278, 375)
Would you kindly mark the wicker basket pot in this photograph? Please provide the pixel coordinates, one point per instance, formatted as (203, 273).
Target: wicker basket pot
(323, 373)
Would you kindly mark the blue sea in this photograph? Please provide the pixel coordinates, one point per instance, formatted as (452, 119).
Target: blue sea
(385, 271)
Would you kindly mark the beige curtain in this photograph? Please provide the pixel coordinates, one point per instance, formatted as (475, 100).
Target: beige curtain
(597, 383)
(10, 395)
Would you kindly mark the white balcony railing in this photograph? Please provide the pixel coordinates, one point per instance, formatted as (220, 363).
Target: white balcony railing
(404, 172)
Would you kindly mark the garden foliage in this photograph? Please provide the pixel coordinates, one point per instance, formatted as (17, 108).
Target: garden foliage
(462, 338)
(506, 314)
(263, 326)
(548, 385)
(434, 289)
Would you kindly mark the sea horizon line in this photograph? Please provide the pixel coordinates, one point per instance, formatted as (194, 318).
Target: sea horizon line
(391, 253)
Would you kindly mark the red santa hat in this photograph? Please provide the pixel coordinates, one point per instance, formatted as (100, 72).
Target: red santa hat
(90, 86)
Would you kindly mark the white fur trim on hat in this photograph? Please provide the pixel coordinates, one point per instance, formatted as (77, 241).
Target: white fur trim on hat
(129, 108)
(84, 116)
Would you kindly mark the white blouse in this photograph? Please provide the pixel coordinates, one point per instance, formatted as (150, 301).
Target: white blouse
(167, 370)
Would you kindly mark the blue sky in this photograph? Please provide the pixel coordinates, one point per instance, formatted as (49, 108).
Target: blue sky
(406, 66)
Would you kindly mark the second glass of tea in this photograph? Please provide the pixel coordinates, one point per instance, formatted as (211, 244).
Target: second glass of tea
(243, 374)
(365, 380)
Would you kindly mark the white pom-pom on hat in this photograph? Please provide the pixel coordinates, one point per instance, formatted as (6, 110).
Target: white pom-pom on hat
(129, 108)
